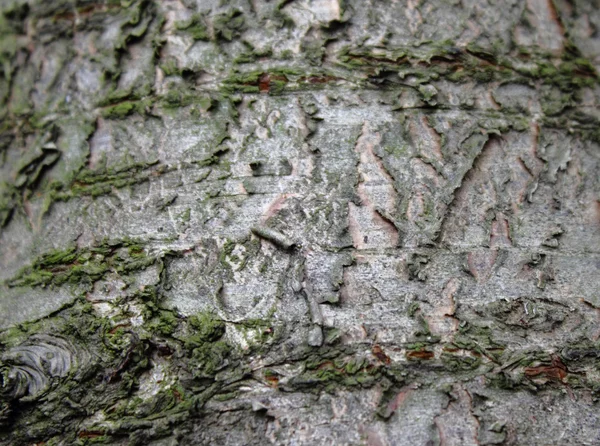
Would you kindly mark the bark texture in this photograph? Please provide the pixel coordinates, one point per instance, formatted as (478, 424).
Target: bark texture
(300, 222)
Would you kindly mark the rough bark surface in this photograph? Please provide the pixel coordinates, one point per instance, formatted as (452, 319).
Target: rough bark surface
(299, 222)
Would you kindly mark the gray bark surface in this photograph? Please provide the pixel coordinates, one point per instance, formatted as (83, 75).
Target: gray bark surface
(299, 222)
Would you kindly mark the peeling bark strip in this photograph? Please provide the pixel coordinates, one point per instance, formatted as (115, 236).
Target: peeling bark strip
(273, 236)
(457, 425)
(377, 198)
(396, 402)
(306, 222)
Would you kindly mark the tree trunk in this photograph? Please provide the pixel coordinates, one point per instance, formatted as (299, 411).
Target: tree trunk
(299, 222)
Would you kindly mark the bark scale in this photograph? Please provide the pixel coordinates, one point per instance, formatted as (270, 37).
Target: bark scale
(299, 222)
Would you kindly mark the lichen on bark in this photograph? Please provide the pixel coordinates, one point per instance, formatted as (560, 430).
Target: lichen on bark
(299, 222)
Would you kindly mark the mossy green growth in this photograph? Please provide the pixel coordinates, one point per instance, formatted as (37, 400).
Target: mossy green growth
(80, 266)
(228, 25)
(185, 216)
(251, 54)
(208, 351)
(227, 251)
(273, 81)
(478, 339)
(195, 27)
(162, 401)
(242, 82)
(568, 75)
(164, 323)
(78, 325)
(27, 173)
(208, 359)
(331, 369)
(428, 93)
(178, 96)
(9, 200)
(119, 110)
(206, 328)
(555, 100)
(355, 57)
(96, 182)
(333, 336)
(314, 52)
(213, 158)
(170, 68)
(483, 53)
(117, 338)
(456, 363)
(261, 333)
(441, 59)
(122, 103)
(413, 308)
(205, 103)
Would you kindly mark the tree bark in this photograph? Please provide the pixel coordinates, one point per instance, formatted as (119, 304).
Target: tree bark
(299, 222)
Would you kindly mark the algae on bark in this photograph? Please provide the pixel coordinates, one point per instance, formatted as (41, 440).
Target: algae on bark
(299, 222)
